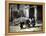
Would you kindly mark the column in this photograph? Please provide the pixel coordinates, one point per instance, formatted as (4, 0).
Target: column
(35, 14)
(26, 11)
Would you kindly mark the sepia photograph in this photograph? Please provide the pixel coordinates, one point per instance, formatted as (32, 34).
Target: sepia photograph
(25, 17)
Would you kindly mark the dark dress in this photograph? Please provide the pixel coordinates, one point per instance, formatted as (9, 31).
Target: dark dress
(33, 23)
